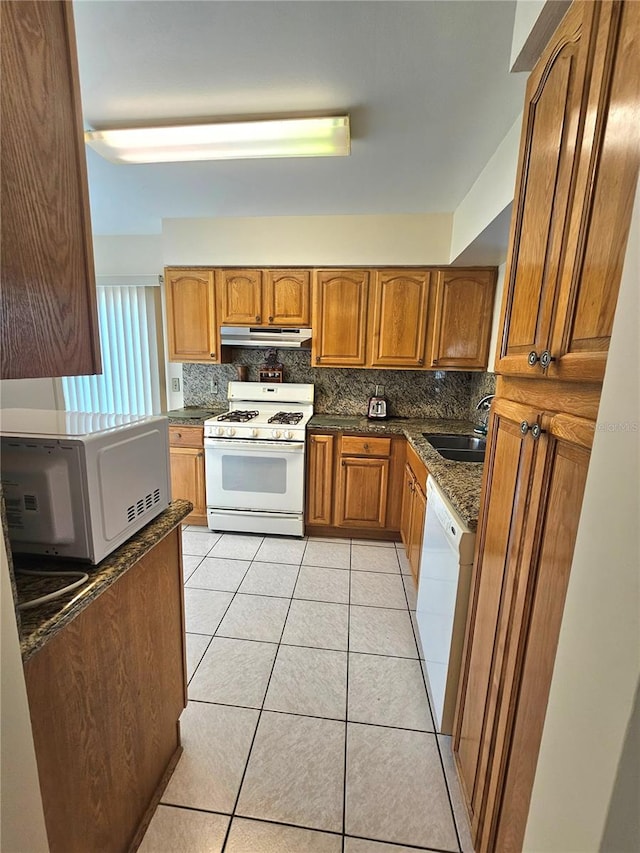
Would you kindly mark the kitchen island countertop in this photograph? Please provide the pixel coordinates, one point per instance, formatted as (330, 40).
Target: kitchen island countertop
(39, 624)
(461, 482)
(194, 416)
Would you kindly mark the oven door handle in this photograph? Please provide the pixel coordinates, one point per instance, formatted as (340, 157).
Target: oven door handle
(254, 446)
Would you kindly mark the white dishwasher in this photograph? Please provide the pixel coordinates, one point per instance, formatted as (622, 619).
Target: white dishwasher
(443, 597)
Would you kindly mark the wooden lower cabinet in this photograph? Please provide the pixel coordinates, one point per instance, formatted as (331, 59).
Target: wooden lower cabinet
(186, 454)
(354, 483)
(535, 476)
(105, 696)
(414, 510)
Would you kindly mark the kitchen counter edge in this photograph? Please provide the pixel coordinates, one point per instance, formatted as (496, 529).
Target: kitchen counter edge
(40, 624)
(461, 482)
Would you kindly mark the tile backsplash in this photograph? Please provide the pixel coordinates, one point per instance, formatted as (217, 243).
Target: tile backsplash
(411, 393)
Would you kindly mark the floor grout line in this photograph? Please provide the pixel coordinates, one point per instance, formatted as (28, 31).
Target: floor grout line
(348, 651)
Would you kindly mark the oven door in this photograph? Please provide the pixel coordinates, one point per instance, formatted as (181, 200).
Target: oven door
(254, 476)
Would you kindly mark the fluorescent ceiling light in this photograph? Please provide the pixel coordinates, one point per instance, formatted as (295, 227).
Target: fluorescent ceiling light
(292, 137)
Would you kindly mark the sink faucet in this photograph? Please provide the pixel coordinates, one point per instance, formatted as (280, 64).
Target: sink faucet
(484, 405)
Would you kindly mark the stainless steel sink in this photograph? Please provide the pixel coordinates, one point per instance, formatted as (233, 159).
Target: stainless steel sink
(458, 448)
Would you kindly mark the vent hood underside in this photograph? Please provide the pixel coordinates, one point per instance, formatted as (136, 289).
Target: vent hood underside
(278, 338)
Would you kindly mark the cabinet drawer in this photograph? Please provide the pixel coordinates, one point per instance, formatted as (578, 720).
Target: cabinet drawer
(189, 436)
(361, 445)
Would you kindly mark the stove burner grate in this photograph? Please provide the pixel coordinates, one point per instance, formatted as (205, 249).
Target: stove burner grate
(238, 416)
(290, 418)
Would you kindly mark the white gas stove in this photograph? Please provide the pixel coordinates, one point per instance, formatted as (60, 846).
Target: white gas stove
(257, 410)
(254, 459)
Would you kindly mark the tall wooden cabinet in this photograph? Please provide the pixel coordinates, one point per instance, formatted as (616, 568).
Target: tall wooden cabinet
(49, 320)
(576, 177)
(579, 156)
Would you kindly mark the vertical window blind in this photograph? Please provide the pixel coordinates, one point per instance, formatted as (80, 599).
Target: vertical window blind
(130, 383)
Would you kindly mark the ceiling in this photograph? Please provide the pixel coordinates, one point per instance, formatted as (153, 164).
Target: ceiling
(426, 83)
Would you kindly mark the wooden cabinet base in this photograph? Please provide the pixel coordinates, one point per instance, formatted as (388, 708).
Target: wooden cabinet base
(105, 696)
(351, 532)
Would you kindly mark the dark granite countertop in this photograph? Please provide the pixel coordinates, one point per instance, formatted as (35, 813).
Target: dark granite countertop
(194, 416)
(39, 624)
(460, 482)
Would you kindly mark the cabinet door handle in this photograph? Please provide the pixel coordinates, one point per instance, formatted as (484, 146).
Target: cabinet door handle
(213, 355)
(200, 455)
(533, 358)
(366, 447)
(178, 435)
(535, 429)
(545, 359)
(343, 463)
(434, 360)
(421, 361)
(317, 359)
(271, 319)
(257, 318)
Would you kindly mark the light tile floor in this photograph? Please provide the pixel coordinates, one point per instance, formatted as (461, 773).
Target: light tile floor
(308, 727)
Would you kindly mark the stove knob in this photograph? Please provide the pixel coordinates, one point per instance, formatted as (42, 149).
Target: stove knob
(231, 431)
(219, 430)
(288, 434)
(254, 432)
(276, 433)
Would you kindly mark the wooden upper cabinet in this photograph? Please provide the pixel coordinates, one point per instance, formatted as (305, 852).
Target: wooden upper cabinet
(575, 187)
(47, 295)
(554, 112)
(191, 317)
(606, 179)
(340, 305)
(240, 293)
(462, 321)
(400, 301)
(287, 298)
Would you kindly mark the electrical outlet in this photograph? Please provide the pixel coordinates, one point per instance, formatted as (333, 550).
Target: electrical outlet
(214, 387)
(175, 384)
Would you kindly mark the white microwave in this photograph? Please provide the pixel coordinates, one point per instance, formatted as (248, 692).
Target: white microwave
(79, 484)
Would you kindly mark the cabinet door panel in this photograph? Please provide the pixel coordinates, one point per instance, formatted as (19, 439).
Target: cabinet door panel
(418, 513)
(462, 323)
(362, 492)
(606, 184)
(543, 574)
(320, 480)
(340, 318)
(400, 300)
(191, 320)
(187, 480)
(240, 297)
(554, 110)
(48, 297)
(287, 299)
(507, 472)
(407, 508)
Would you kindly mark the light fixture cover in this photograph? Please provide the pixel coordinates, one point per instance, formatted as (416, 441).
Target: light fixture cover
(293, 137)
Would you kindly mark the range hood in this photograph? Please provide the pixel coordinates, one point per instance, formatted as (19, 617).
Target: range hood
(265, 337)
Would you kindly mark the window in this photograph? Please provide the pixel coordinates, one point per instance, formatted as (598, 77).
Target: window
(132, 378)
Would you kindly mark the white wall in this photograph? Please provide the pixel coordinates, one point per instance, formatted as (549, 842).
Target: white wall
(126, 255)
(31, 394)
(491, 193)
(308, 240)
(597, 667)
(22, 827)
(533, 26)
